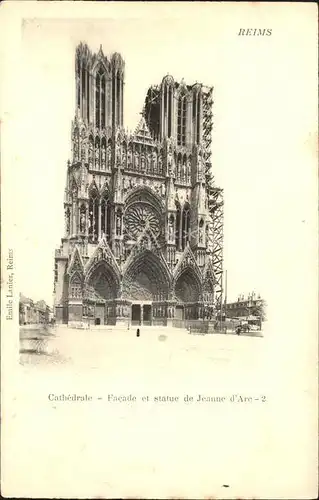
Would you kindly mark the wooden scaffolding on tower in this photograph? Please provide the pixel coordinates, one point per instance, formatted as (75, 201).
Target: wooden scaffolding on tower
(215, 204)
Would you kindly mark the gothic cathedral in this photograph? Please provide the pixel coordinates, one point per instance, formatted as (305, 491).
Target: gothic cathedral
(139, 244)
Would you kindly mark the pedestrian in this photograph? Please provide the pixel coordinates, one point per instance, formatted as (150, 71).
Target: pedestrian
(138, 332)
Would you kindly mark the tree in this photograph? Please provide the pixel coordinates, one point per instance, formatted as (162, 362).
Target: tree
(260, 310)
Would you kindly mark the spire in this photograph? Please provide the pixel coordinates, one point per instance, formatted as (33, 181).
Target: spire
(100, 53)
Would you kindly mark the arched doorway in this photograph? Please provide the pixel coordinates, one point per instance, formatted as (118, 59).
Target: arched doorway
(187, 294)
(145, 284)
(101, 288)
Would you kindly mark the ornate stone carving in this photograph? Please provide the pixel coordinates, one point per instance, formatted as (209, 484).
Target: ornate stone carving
(83, 152)
(97, 157)
(67, 221)
(90, 154)
(102, 254)
(149, 232)
(109, 155)
(129, 158)
(103, 157)
(143, 166)
(118, 223)
(76, 146)
(136, 160)
(170, 164)
(82, 221)
(124, 156)
(171, 229)
(160, 164)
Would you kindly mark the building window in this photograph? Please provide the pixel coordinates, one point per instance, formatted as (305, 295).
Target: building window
(83, 75)
(78, 86)
(118, 99)
(113, 99)
(178, 226)
(181, 120)
(103, 102)
(100, 99)
(197, 99)
(169, 127)
(97, 100)
(168, 97)
(88, 95)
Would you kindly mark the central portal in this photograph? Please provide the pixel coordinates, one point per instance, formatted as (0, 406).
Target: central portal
(136, 314)
(147, 314)
(141, 314)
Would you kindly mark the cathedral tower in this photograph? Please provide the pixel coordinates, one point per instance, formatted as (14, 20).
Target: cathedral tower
(139, 231)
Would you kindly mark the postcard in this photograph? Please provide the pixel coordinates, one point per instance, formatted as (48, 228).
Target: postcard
(159, 250)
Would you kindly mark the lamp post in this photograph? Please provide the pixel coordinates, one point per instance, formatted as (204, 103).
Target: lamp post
(225, 299)
(223, 303)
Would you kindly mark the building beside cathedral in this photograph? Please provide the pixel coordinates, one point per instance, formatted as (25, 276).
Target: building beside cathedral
(143, 217)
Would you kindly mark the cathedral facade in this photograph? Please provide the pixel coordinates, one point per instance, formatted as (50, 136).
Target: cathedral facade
(139, 241)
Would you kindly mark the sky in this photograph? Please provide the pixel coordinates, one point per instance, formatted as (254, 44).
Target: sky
(262, 142)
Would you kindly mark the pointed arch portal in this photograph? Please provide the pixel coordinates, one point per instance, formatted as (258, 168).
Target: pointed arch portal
(146, 284)
(187, 287)
(102, 284)
(187, 294)
(146, 279)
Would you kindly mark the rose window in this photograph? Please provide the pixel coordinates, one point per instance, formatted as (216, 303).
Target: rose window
(139, 216)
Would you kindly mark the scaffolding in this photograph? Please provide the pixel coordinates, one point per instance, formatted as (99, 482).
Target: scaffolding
(215, 203)
(215, 195)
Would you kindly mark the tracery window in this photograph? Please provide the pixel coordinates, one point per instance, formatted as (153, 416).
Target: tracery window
(78, 88)
(118, 99)
(100, 99)
(103, 101)
(97, 99)
(197, 99)
(168, 99)
(88, 95)
(113, 98)
(117, 94)
(178, 229)
(181, 120)
(83, 79)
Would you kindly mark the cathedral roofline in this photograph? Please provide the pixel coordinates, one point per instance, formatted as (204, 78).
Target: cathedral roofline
(84, 53)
